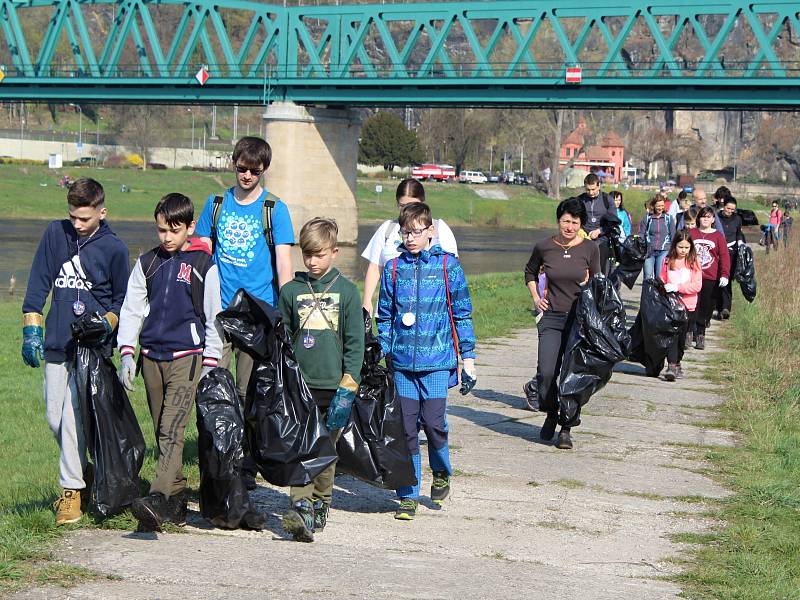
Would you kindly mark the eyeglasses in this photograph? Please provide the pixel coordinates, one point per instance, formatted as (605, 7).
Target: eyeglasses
(253, 172)
(414, 233)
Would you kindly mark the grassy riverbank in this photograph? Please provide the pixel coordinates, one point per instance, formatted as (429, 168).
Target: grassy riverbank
(755, 554)
(28, 536)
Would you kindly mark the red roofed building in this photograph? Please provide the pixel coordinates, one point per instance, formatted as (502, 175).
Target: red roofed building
(607, 158)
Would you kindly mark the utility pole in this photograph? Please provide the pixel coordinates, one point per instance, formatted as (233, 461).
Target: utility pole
(214, 123)
(235, 123)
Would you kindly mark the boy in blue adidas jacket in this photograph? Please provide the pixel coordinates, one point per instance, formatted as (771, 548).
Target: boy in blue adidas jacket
(83, 266)
(424, 317)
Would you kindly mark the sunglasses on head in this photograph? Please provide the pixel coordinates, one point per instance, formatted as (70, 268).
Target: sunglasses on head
(253, 172)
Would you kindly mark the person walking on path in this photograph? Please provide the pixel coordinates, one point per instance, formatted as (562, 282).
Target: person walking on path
(786, 228)
(424, 323)
(385, 243)
(85, 267)
(657, 228)
(700, 201)
(173, 298)
(250, 233)
(712, 252)
(568, 261)
(681, 273)
(625, 221)
(732, 230)
(322, 313)
(601, 218)
(772, 232)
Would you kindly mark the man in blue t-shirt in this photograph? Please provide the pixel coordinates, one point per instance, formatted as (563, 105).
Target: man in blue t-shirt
(241, 252)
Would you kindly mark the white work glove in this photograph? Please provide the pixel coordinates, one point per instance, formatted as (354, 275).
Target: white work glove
(723, 281)
(127, 371)
(671, 287)
(469, 376)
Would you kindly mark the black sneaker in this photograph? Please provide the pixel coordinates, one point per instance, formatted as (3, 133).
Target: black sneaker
(177, 507)
(407, 510)
(151, 511)
(726, 314)
(564, 441)
(440, 488)
(321, 509)
(548, 429)
(671, 373)
(531, 391)
(700, 344)
(299, 521)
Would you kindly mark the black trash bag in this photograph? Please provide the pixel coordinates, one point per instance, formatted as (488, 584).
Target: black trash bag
(224, 500)
(285, 432)
(597, 341)
(113, 436)
(745, 271)
(632, 253)
(662, 316)
(373, 446)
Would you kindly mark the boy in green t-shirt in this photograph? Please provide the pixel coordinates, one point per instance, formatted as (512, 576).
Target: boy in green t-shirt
(322, 312)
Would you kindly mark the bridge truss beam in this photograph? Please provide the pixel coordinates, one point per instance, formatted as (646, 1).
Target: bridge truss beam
(635, 53)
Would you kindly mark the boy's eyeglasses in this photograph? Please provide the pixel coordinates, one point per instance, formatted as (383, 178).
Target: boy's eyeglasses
(414, 233)
(253, 172)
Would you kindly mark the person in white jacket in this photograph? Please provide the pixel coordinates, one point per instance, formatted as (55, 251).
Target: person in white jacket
(383, 246)
(170, 308)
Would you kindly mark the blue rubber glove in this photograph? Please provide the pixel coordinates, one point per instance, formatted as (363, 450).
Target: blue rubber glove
(32, 345)
(109, 331)
(469, 376)
(342, 403)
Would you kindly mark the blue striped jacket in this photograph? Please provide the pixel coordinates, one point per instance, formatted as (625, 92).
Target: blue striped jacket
(416, 284)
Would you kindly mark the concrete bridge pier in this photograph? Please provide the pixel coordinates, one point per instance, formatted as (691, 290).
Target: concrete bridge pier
(314, 158)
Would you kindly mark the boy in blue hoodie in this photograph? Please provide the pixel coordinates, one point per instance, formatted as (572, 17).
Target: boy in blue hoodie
(173, 297)
(424, 322)
(85, 266)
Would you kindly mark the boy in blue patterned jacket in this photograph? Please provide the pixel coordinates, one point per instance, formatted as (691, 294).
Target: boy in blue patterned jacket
(424, 321)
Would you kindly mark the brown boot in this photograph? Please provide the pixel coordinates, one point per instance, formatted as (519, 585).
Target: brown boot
(68, 507)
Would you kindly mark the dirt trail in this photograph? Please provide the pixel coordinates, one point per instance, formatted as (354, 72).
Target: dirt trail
(524, 518)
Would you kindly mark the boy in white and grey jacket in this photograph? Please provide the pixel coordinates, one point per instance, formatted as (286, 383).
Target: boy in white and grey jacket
(173, 297)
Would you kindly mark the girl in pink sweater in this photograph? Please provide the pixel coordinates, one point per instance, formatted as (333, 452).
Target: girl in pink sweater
(682, 274)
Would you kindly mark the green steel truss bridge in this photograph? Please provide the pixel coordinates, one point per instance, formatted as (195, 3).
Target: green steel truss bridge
(722, 53)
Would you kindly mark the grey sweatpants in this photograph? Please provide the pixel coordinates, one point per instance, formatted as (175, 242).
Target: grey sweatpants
(63, 411)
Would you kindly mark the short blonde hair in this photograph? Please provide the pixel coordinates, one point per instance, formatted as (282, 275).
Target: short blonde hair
(317, 235)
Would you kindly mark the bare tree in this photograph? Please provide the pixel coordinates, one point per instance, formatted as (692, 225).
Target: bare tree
(142, 127)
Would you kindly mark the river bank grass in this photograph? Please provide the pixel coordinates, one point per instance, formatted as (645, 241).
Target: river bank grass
(28, 535)
(755, 553)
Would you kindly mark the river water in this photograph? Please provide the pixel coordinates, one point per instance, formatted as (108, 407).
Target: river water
(482, 250)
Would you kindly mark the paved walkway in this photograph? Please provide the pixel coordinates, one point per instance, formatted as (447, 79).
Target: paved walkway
(524, 519)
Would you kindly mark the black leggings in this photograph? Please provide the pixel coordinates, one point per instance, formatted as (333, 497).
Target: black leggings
(675, 353)
(705, 305)
(554, 328)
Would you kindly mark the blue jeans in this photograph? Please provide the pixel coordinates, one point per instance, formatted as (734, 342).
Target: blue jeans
(652, 264)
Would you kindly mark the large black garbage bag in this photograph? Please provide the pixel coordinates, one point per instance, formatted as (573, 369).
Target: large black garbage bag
(632, 253)
(113, 436)
(745, 271)
(224, 500)
(372, 446)
(286, 436)
(662, 316)
(598, 341)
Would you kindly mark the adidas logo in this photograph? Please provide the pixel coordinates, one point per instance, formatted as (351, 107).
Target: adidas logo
(71, 276)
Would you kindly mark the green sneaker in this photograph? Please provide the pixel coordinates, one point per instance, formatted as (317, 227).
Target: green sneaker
(440, 488)
(321, 510)
(299, 521)
(407, 510)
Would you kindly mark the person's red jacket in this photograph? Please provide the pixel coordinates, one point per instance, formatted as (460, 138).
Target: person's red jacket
(712, 252)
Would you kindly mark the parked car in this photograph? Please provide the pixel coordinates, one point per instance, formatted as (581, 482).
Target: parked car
(472, 177)
(85, 161)
(493, 178)
(521, 179)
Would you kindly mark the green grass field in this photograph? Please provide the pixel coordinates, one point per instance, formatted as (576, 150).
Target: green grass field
(28, 470)
(755, 553)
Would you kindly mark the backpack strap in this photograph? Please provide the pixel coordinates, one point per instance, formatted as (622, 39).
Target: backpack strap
(215, 211)
(266, 221)
(450, 308)
(201, 263)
